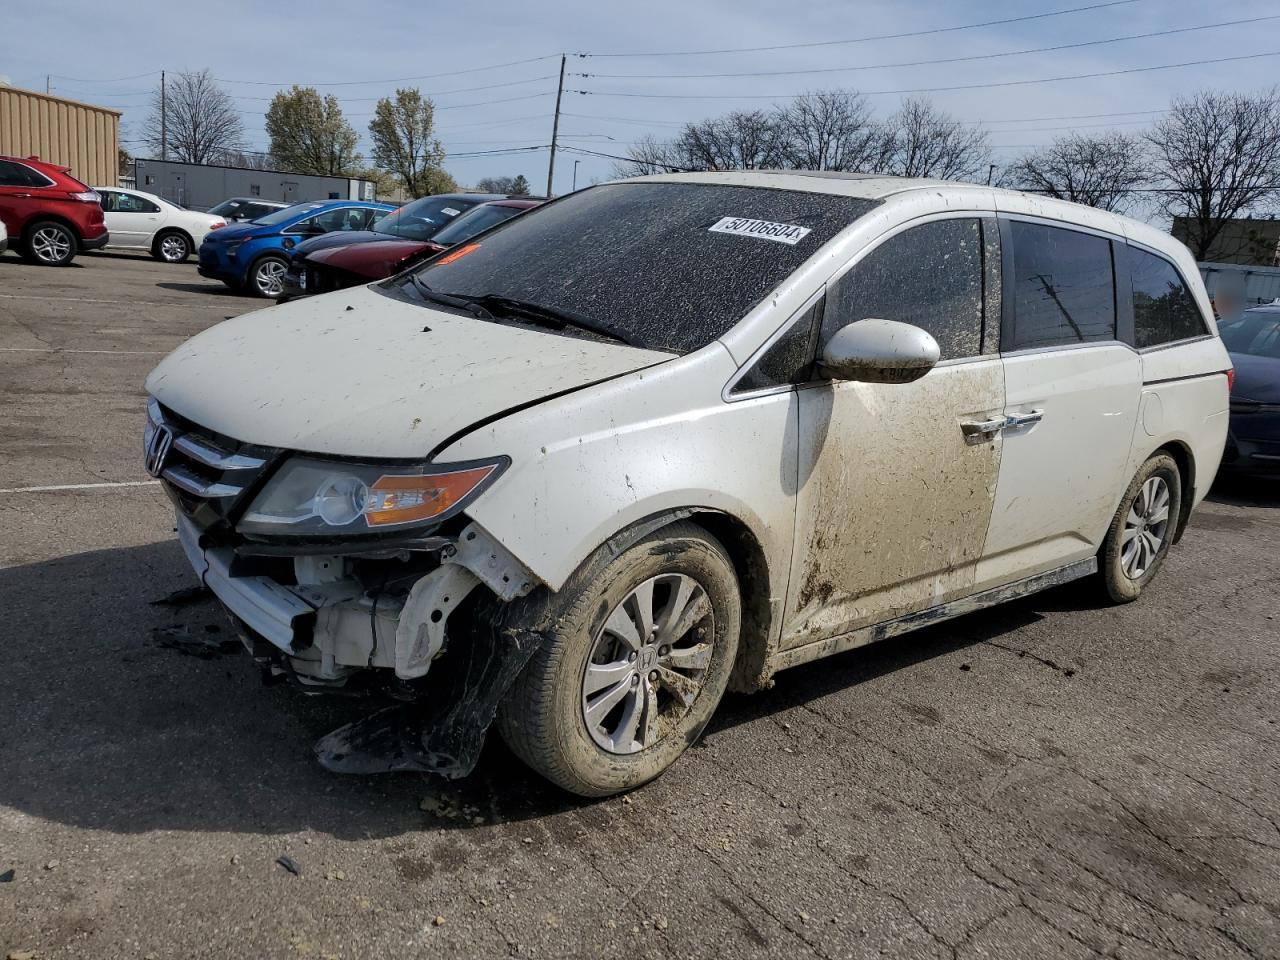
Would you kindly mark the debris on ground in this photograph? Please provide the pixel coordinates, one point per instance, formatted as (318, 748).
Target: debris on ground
(51, 865)
(7, 876)
(206, 644)
(289, 864)
(438, 921)
(184, 597)
(22, 955)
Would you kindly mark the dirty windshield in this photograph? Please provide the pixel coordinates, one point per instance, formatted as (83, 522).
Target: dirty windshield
(669, 266)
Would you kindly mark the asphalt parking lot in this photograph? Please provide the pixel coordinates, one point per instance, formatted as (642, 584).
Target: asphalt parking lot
(1056, 778)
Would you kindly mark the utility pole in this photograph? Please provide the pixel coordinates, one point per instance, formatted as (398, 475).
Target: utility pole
(47, 84)
(991, 169)
(575, 174)
(164, 121)
(555, 130)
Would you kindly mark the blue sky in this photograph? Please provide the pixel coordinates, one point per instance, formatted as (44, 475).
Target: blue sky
(334, 45)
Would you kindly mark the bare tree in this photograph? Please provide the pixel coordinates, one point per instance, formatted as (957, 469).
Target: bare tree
(736, 141)
(832, 130)
(1218, 155)
(1100, 171)
(928, 142)
(195, 119)
(649, 155)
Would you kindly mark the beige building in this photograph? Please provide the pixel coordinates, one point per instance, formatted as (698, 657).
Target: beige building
(78, 135)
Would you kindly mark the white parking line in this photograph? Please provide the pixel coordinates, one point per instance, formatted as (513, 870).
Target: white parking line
(129, 353)
(81, 486)
(131, 303)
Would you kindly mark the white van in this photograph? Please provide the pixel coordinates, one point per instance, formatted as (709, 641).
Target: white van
(668, 436)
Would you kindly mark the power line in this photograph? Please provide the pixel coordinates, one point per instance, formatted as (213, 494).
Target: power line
(136, 76)
(866, 39)
(922, 63)
(426, 76)
(968, 86)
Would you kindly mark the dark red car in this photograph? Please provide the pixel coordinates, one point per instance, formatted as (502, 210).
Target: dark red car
(336, 268)
(49, 214)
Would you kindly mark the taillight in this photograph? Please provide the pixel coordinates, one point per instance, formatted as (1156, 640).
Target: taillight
(217, 225)
(1231, 378)
(88, 196)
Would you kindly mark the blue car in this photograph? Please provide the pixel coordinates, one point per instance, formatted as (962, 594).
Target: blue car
(253, 256)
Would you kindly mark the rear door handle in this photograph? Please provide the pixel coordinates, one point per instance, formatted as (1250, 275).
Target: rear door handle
(976, 431)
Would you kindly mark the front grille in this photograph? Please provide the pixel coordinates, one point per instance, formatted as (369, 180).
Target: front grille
(320, 280)
(209, 477)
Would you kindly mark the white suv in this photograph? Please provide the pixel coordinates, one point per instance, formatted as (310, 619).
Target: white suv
(668, 436)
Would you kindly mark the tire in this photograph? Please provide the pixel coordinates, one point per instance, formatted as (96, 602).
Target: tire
(171, 246)
(49, 243)
(266, 276)
(1140, 533)
(544, 716)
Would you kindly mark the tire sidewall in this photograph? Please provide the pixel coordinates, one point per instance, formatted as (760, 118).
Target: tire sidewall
(174, 235)
(252, 284)
(42, 225)
(1121, 588)
(592, 770)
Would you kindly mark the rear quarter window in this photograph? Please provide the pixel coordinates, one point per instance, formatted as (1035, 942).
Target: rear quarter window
(1163, 309)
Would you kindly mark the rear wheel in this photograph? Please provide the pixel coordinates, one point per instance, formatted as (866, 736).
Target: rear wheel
(49, 243)
(1142, 530)
(266, 277)
(637, 664)
(172, 246)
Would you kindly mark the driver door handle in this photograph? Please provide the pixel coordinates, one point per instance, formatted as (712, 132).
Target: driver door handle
(976, 431)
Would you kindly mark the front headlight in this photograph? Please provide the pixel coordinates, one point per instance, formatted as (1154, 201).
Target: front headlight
(309, 497)
(232, 247)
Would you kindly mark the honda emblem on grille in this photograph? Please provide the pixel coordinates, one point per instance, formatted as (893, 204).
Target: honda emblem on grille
(158, 450)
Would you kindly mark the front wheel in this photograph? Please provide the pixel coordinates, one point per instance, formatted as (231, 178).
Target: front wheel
(639, 660)
(266, 279)
(1142, 530)
(171, 247)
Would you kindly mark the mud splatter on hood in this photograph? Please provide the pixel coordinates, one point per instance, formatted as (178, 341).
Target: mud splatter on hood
(355, 373)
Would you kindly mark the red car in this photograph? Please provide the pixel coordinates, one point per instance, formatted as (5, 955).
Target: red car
(336, 268)
(49, 214)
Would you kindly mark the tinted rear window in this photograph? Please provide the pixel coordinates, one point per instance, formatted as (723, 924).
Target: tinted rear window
(1064, 286)
(473, 221)
(1163, 308)
(644, 257)
(1257, 334)
(422, 219)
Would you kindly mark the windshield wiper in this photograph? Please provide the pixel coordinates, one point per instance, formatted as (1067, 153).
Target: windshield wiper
(464, 304)
(540, 313)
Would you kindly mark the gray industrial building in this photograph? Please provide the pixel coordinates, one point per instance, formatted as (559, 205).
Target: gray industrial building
(199, 186)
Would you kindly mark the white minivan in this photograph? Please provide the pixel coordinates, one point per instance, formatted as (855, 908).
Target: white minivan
(665, 437)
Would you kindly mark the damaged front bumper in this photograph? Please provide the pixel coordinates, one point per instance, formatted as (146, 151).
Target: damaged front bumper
(328, 627)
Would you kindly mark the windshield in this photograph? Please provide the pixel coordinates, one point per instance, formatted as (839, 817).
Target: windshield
(421, 219)
(1256, 334)
(473, 221)
(670, 266)
(285, 214)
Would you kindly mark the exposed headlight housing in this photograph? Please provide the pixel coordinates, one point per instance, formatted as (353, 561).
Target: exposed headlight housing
(310, 497)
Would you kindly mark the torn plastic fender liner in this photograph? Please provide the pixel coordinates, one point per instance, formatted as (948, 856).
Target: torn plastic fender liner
(444, 732)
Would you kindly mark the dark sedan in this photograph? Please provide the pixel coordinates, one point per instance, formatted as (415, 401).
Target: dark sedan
(1253, 340)
(338, 267)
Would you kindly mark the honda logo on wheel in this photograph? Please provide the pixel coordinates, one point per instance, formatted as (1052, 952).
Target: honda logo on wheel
(158, 450)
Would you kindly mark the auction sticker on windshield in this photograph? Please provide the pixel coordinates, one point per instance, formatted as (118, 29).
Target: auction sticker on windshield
(787, 233)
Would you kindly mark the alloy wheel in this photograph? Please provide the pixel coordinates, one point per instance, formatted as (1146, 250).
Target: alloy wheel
(269, 278)
(648, 664)
(173, 248)
(1145, 528)
(51, 244)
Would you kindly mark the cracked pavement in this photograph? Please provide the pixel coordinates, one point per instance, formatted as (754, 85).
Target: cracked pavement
(1053, 778)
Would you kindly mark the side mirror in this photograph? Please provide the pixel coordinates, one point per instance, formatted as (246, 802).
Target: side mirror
(879, 351)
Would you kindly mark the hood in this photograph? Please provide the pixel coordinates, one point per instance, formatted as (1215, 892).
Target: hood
(1257, 378)
(357, 373)
(234, 230)
(374, 260)
(338, 238)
